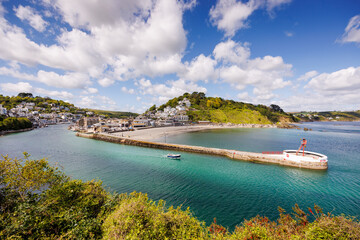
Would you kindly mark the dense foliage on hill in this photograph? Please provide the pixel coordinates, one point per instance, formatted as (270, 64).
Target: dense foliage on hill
(11, 102)
(220, 110)
(38, 201)
(12, 123)
(113, 114)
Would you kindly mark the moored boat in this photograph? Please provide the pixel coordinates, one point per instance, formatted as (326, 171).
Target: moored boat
(174, 156)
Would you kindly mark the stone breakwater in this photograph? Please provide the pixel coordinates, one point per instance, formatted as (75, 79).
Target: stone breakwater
(233, 154)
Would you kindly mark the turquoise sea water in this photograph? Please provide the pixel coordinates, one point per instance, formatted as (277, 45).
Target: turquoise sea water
(213, 186)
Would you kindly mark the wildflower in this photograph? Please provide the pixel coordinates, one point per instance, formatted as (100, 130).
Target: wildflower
(311, 211)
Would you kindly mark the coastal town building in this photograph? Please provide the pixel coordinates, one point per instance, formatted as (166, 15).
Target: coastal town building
(101, 125)
(87, 122)
(171, 116)
(40, 116)
(3, 110)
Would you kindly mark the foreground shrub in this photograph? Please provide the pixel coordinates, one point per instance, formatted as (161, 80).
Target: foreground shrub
(137, 217)
(38, 201)
(333, 227)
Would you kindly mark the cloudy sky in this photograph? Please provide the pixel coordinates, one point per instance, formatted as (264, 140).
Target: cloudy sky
(129, 54)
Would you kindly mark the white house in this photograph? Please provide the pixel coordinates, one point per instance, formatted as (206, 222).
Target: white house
(3, 110)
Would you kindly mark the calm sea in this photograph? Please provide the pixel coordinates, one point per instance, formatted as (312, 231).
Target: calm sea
(213, 186)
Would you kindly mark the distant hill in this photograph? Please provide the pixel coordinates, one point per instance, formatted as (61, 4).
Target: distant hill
(113, 114)
(219, 110)
(329, 116)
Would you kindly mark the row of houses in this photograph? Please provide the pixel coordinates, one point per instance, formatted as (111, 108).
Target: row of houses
(38, 116)
(99, 124)
(169, 116)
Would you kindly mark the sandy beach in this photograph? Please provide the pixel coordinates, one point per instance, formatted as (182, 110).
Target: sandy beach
(153, 134)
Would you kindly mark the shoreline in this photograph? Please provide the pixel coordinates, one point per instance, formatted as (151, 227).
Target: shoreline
(154, 134)
(3, 133)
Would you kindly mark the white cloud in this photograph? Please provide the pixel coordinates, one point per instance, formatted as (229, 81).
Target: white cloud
(89, 90)
(87, 102)
(29, 14)
(338, 90)
(231, 15)
(2, 10)
(263, 95)
(16, 87)
(352, 30)
(170, 90)
(56, 94)
(129, 91)
(150, 39)
(68, 80)
(232, 52)
(308, 75)
(84, 13)
(201, 68)
(243, 96)
(265, 73)
(271, 4)
(26, 87)
(97, 102)
(339, 82)
(106, 82)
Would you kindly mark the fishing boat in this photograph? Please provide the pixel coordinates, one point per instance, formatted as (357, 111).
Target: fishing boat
(174, 156)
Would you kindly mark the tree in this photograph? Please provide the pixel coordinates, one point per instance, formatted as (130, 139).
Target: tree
(27, 178)
(276, 108)
(152, 108)
(23, 95)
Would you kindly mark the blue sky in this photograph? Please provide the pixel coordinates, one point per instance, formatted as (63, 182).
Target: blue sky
(128, 55)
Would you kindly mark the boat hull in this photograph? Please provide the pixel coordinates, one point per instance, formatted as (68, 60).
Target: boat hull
(174, 156)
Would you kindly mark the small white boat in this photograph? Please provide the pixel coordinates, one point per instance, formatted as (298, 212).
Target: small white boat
(304, 156)
(174, 156)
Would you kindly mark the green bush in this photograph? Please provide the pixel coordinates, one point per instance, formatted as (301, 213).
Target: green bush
(138, 217)
(13, 123)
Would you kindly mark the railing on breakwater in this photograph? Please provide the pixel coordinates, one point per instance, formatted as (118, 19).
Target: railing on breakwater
(233, 154)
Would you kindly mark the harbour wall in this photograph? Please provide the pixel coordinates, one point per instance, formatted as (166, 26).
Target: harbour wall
(233, 154)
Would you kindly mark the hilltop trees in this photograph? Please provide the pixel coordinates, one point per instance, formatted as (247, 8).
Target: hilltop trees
(24, 95)
(276, 108)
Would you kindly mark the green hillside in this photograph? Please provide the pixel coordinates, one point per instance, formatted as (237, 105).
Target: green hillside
(47, 103)
(113, 114)
(43, 102)
(219, 110)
